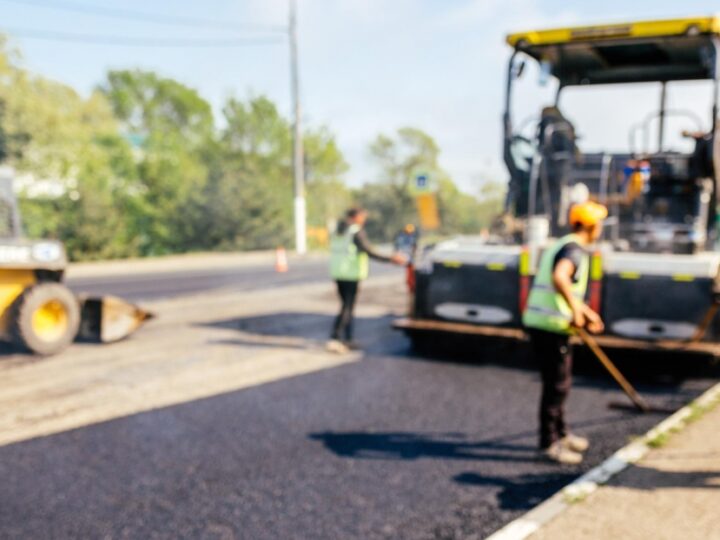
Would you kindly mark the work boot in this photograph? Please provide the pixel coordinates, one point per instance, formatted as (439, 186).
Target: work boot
(336, 346)
(575, 442)
(559, 453)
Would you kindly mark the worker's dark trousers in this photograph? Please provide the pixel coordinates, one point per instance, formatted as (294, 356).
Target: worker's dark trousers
(343, 327)
(554, 356)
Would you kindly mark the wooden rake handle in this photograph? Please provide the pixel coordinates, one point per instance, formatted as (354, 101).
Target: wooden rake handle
(636, 398)
(705, 324)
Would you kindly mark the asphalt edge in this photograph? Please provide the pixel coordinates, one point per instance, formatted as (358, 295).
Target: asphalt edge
(527, 524)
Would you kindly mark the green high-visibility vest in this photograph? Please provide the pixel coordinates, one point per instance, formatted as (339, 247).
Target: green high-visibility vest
(347, 262)
(546, 308)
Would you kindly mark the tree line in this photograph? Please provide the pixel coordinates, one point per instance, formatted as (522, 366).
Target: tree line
(143, 167)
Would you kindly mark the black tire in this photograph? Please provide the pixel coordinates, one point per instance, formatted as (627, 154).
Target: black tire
(60, 328)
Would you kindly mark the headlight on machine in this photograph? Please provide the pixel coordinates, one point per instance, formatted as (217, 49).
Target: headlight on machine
(46, 252)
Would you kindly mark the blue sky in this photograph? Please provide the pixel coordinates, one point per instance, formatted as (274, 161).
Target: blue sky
(367, 66)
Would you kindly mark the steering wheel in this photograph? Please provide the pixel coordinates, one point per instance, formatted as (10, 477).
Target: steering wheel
(645, 124)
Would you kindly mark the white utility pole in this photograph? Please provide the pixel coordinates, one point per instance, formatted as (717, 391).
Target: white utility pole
(298, 152)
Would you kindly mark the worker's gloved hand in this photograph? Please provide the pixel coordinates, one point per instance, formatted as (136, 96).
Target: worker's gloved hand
(578, 318)
(595, 327)
(584, 317)
(399, 259)
(593, 322)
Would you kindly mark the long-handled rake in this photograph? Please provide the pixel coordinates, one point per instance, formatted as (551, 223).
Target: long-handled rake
(640, 403)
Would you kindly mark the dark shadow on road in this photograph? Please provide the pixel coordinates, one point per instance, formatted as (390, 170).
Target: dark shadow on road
(303, 330)
(294, 324)
(11, 355)
(468, 349)
(410, 446)
(652, 373)
(519, 493)
(657, 376)
(664, 366)
(649, 478)
(297, 324)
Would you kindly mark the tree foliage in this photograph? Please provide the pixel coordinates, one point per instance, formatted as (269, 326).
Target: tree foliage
(59, 138)
(141, 167)
(391, 202)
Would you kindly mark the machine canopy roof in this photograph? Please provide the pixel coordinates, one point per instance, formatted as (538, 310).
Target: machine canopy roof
(672, 50)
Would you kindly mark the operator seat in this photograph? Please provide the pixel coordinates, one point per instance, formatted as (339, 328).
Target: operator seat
(557, 143)
(556, 135)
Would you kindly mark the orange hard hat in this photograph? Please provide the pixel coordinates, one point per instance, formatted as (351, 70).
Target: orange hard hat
(588, 213)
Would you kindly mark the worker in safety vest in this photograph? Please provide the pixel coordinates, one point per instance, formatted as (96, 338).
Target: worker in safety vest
(555, 306)
(406, 241)
(350, 254)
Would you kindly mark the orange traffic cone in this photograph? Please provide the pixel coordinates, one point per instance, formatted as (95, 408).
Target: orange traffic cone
(281, 261)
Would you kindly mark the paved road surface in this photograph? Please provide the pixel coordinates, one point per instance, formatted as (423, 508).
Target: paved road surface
(150, 286)
(392, 446)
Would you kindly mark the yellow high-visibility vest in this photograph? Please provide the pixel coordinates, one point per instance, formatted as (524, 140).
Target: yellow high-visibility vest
(347, 262)
(546, 308)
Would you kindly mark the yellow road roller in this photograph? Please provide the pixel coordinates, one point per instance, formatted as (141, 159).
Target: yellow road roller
(41, 315)
(38, 313)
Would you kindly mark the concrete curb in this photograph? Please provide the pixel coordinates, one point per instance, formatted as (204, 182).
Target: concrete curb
(532, 521)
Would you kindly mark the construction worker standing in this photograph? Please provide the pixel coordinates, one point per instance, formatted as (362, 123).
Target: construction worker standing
(555, 306)
(350, 252)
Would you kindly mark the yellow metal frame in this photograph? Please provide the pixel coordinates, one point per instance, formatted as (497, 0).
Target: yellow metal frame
(12, 285)
(637, 30)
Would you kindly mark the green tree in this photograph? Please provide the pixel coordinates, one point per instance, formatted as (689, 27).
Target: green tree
(251, 189)
(491, 201)
(176, 129)
(139, 168)
(325, 167)
(56, 138)
(391, 204)
(389, 201)
(466, 214)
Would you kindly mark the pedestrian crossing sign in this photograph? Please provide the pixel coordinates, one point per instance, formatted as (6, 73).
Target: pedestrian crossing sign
(423, 181)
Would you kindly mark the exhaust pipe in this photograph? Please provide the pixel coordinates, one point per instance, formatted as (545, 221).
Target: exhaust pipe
(106, 319)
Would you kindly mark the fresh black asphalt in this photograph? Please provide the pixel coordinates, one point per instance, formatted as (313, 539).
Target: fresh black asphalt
(394, 446)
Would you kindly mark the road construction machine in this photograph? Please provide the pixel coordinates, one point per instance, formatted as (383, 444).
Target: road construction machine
(654, 275)
(38, 313)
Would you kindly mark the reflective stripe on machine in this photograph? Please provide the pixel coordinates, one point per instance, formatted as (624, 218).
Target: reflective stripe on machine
(524, 273)
(596, 267)
(595, 285)
(525, 262)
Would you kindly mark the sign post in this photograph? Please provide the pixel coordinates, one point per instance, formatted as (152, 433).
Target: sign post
(424, 188)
